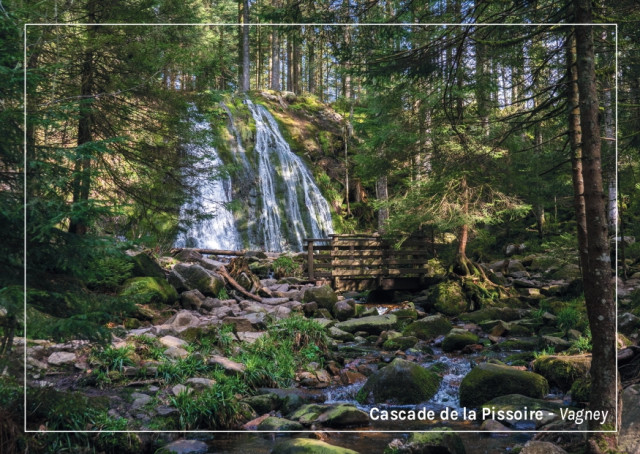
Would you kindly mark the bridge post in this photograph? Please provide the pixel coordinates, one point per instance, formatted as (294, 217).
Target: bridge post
(310, 260)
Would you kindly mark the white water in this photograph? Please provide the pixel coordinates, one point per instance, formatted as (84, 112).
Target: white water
(283, 196)
(213, 194)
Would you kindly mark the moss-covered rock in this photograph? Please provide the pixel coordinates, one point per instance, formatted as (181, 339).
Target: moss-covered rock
(428, 328)
(373, 324)
(488, 381)
(145, 266)
(581, 390)
(308, 446)
(324, 296)
(190, 277)
(562, 371)
(457, 339)
(307, 414)
(263, 403)
(448, 298)
(443, 441)
(507, 314)
(515, 402)
(149, 290)
(344, 415)
(274, 424)
(400, 343)
(401, 382)
(520, 343)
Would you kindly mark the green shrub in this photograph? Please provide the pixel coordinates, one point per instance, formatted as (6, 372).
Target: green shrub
(285, 266)
(108, 272)
(568, 318)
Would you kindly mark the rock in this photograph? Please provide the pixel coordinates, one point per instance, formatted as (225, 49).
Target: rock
(457, 338)
(349, 377)
(188, 255)
(447, 298)
(488, 381)
(176, 353)
(491, 425)
(149, 290)
(373, 324)
(140, 400)
(521, 343)
(402, 382)
(307, 414)
(197, 277)
(200, 383)
(179, 389)
(61, 358)
(310, 308)
(274, 424)
(628, 439)
(227, 364)
(515, 402)
(581, 390)
(428, 328)
(185, 447)
(171, 341)
(192, 299)
(541, 447)
(145, 266)
(562, 371)
(180, 322)
(557, 343)
(628, 324)
(263, 403)
(338, 334)
(243, 324)
(308, 446)
(508, 314)
(324, 296)
(443, 441)
(400, 343)
(343, 415)
(343, 310)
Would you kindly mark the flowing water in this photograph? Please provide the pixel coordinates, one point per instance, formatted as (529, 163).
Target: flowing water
(280, 203)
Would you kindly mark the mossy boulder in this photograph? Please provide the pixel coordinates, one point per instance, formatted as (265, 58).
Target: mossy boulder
(581, 390)
(190, 277)
(308, 446)
(515, 402)
(324, 296)
(434, 272)
(442, 441)
(145, 266)
(307, 414)
(149, 290)
(274, 424)
(508, 314)
(488, 381)
(562, 371)
(448, 298)
(428, 328)
(373, 324)
(263, 403)
(344, 415)
(457, 339)
(400, 382)
(520, 343)
(400, 343)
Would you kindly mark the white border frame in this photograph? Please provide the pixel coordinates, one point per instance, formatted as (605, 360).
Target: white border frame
(320, 24)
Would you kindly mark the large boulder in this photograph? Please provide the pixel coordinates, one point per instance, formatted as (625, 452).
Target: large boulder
(145, 266)
(428, 328)
(541, 447)
(149, 290)
(628, 440)
(373, 324)
(507, 314)
(185, 447)
(275, 424)
(344, 415)
(324, 296)
(488, 381)
(448, 298)
(562, 371)
(190, 277)
(308, 446)
(457, 339)
(442, 441)
(400, 382)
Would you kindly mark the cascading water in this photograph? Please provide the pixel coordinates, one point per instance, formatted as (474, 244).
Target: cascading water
(281, 204)
(287, 190)
(213, 194)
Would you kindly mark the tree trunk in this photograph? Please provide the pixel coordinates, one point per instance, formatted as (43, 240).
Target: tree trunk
(245, 79)
(275, 60)
(382, 194)
(597, 280)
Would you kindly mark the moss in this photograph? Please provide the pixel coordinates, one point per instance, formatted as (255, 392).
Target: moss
(581, 390)
(274, 424)
(308, 446)
(488, 381)
(457, 339)
(344, 415)
(448, 298)
(562, 371)
(524, 343)
(400, 343)
(149, 290)
(308, 413)
(428, 328)
(444, 440)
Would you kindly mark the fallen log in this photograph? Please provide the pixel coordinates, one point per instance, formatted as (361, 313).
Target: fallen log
(223, 272)
(209, 251)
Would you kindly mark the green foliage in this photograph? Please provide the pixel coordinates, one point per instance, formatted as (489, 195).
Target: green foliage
(223, 295)
(108, 272)
(568, 318)
(213, 408)
(547, 351)
(285, 266)
(111, 358)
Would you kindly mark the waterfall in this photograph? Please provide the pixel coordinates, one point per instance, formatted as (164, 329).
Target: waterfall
(280, 202)
(287, 189)
(217, 230)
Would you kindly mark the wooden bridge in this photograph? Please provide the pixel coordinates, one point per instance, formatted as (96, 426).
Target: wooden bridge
(358, 262)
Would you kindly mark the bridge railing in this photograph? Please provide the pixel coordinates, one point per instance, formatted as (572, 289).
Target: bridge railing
(365, 257)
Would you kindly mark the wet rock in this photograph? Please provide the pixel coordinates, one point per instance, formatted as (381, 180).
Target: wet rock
(263, 403)
(308, 446)
(448, 298)
(541, 447)
(488, 381)
(443, 441)
(145, 266)
(343, 415)
(428, 328)
(402, 382)
(349, 377)
(200, 383)
(196, 277)
(457, 339)
(324, 296)
(562, 371)
(400, 343)
(628, 439)
(374, 324)
(192, 299)
(185, 447)
(343, 310)
(61, 358)
(274, 424)
(149, 290)
(340, 335)
(227, 364)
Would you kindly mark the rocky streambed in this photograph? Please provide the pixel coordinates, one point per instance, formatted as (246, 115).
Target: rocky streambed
(202, 355)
